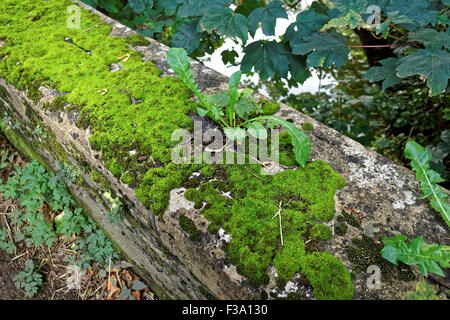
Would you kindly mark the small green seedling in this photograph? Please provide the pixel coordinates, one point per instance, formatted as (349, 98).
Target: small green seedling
(235, 109)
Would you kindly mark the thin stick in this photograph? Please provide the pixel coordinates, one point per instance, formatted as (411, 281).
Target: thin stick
(15, 258)
(279, 216)
(92, 27)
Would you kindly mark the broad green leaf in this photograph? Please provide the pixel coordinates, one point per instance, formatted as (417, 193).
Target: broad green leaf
(300, 141)
(226, 23)
(197, 8)
(139, 6)
(432, 39)
(418, 12)
(244, 107)
(257, 130)
(234, 87)
(248, 6)
(307, 22)
(385, 73)
(235, 134)
(420, 162)
(266, 17)
(187, 37)
(432, 66)
(267, 58)
(326, 49)
(169, 6)
(221, 99)
(428, 257)
(297, 67)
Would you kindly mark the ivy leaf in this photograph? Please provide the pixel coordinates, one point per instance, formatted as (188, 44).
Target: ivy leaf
(307, 22)
(139, 6)
(432, 66)
(229, 56)
(267, 18)
(420, 162)
(385, 73)
(248, 6)
(169, 6)
(197, 8)
(433, 39)
(187, 37)
(326, 49)
(299, 140)
(226, 23)
(267, 58)
(427, 257)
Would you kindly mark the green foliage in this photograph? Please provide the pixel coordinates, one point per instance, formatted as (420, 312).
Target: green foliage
(321, 231)
(115, 215)
(189, 226)
(420, 162)
(423, 292)
(312, 41)
(33, 187)
(428, 257)
(328, 276)
(28, 279)
(232, 109)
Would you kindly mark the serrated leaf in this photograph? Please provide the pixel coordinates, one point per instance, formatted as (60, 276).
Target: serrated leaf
(244, 107)
(325, 49)
(229, 56)
(169, 6)
(267, 58)
(420, 162)
(385, 73)
(411, 13)
(307, 22)
(266, 18)
(432, 66)
(187, 37)
(432, 39)
(226, 22)
(299, 140)
(427, 257)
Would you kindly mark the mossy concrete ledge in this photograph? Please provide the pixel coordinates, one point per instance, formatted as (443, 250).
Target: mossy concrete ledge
(104, 100)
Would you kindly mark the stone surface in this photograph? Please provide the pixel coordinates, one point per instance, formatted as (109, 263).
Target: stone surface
(385, 194)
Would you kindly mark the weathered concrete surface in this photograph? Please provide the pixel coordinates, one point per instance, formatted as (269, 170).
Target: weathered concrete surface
(387, 196)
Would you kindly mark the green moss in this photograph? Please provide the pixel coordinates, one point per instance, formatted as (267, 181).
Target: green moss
(328, 276)
(307, 126)
(341, 229)
(128, 178)
(269, 107)
(191, 183)
(137, 40)
(365, 252)
(307, 195)
(189, 227)
(208, 171)
(349, 219)
(321, 231)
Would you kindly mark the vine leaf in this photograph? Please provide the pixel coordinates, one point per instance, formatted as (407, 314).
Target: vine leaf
(267, 58)
(139, 6)
(267, 18)
(385, 73)
(426, 256)
(432, 66)
(433, 39)
(326, 49)
(226, 23)
(229, 56)
(300, 141)
(187, 36)
(420, 162)
(307, 22)
(197, 8)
